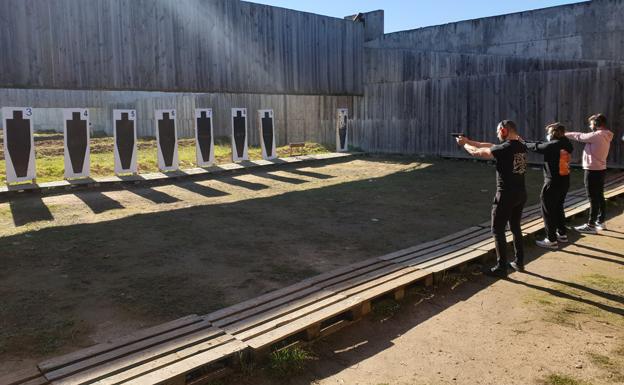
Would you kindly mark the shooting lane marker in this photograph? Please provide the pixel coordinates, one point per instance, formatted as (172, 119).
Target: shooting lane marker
(167, 140)
(125, 137)
(266, 127)
(76, 137)
(239, 135)
(204, 137)
(19, 144)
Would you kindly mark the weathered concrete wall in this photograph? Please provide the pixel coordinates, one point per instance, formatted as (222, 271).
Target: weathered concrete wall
(400, 65)
(373, 23)
(416, 115)
(297, 117)
(177, 45)
(589, 30)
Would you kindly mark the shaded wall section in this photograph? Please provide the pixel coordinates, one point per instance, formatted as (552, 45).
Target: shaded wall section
(177, 45)
(414, 99)
(591, 30)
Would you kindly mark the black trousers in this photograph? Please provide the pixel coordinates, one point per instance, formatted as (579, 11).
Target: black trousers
(553, 199)
(594, 187)
(507, 208)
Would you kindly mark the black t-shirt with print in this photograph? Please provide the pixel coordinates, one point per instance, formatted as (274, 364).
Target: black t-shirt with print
(511, 164)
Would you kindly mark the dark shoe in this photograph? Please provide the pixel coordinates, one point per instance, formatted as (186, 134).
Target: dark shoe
(519, 267)
(497, 271)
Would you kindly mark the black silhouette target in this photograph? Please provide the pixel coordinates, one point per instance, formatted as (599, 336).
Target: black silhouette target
(267, 133)
(18, 144)
(342, 129)
(167, 138)
(239, 134)
(125, 140)
(204, 135)
(77, 140)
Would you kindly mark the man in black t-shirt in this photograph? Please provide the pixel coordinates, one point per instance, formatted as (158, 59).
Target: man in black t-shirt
(511, 164)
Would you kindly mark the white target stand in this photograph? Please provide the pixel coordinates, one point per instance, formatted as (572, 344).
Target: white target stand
(125, 137)
(167, 140)
(239, 135)
(204, 137)
(342, 127)
(266, 129)
(19, 144)
(76, 138)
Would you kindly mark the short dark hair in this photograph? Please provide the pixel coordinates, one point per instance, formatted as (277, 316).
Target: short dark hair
(508, 124)
(557, 129)
(600, 119)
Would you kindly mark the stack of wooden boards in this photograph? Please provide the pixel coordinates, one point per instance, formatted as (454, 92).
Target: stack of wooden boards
(194, 348)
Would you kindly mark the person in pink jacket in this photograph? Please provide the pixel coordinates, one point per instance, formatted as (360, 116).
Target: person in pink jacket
(597, 143)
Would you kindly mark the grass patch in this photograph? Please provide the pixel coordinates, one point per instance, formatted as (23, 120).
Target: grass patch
(289, 361)
(49, 161)
(611, 366)
(384, 309)
(562, 379)
(571, 312)
(610, 285)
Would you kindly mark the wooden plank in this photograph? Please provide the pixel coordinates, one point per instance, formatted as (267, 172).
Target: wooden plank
(142, 345)
(458, 235)
(235, 310)
(125, 363)
(443, 248)
(322, 291)
(301, 324)
(359, 295)
(254, 328)
(453, 262)
(140, 335)
(186, 365)
(337, 293)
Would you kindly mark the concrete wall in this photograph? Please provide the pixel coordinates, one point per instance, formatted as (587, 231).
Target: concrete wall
(177, 45)
(589, 30)
(412, 104)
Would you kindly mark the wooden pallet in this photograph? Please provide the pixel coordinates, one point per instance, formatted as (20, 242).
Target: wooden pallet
(315, 306)
(193, 348)
(178, 351)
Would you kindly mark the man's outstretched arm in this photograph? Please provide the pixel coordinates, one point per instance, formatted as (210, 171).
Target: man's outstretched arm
(479, 152)
(476, 144)
(483, 150)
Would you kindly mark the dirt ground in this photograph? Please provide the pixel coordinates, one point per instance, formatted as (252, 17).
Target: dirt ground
(79, 268)
(560, 323)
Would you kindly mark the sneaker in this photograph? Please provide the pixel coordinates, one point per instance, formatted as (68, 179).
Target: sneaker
(562, 238)
(497, 271)
(600, 226)
(547, 244)
(519, 267)
(586, 228)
